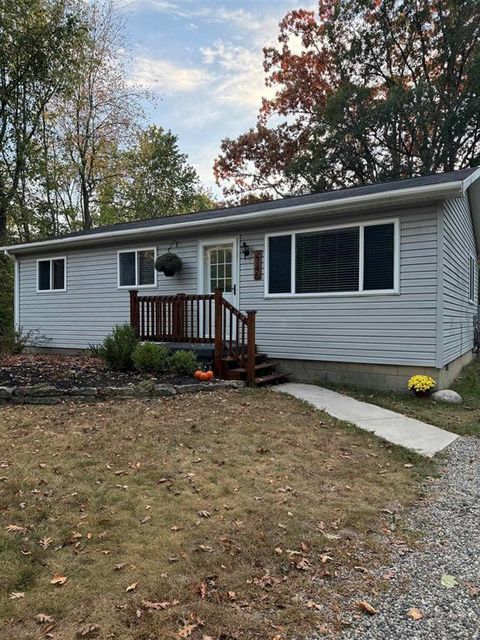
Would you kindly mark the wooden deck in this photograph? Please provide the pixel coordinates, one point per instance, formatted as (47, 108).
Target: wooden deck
(205, 319)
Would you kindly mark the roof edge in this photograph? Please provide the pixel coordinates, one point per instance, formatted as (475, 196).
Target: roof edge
(410, 194)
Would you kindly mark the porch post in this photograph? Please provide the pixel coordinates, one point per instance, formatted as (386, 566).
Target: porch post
(134, 315)
(178, 328)
(251, 348)
(218, 332)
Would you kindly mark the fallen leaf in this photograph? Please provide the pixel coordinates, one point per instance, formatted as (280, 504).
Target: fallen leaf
(43, 618)
(45, 542)
(16, 594)
(415, 613)
(88, 630)
(203, 590)
(15, 528)
(366, 606)
(232, 595)
(448, 581)
(186, 631)
(58, 579)
(120, 566)
(158, 606)
(205, 548)
(204, 514)
(473, 589)
(311, 604)
(131, 587)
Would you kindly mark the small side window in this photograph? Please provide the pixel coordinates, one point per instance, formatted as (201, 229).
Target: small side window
(136, 268)
(51, 274)
(472, 270)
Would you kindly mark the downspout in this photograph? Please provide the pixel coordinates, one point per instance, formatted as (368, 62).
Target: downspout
(16, 290)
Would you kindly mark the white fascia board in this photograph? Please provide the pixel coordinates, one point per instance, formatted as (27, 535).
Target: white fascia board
(396, 196)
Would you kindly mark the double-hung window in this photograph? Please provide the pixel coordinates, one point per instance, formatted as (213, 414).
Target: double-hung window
(51, 274)
(349, 259)
(136, 268)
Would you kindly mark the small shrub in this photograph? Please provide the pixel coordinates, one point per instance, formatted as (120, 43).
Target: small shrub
(184, 363)
(15, 341)
(118, 347)
(151, 358)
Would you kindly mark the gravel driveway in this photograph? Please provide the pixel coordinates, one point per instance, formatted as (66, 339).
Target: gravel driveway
(449, 524)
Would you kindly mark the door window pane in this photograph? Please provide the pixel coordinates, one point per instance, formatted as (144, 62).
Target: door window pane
(220, 260)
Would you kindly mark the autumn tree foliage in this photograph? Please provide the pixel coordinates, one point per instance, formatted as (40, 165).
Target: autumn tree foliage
(364, 90)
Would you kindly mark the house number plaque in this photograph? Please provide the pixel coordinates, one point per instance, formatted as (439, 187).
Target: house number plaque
(257, 264)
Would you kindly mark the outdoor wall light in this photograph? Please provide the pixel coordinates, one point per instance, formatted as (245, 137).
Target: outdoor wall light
(245, 249)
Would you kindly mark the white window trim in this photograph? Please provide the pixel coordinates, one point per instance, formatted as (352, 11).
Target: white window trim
(64, 258)
(472, 260)
(137, 286)
(338, 294)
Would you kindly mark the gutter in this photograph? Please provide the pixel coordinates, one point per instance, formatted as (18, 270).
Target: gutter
(447, 189)
(16, 290)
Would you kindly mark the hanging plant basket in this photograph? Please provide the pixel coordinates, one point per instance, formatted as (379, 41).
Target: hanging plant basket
(169, 264)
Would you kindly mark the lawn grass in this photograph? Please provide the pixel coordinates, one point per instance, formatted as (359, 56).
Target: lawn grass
(463, 419)
(226, 515)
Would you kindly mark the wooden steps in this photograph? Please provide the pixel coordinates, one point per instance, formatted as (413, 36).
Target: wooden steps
(265, 370)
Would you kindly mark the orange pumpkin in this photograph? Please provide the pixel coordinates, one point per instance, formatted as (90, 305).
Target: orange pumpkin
(197, 374)
(203, 376)
(210, 374)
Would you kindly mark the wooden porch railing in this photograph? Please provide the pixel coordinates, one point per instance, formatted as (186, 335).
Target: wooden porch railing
(203, 318)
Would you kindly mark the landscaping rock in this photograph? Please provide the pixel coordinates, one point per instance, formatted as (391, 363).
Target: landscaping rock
(6, 393)
(195, 387)
(164, 390)
(117, 392)
(447, 395)
(40, 390)
(82, 391)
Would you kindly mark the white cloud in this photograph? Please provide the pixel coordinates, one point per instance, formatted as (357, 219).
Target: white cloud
(159, 75)
(240, 75)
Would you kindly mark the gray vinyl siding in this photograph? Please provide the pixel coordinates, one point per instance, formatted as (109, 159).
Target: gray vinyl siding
(385, 329)
(458, 311)
(380, 329)
(85, 313)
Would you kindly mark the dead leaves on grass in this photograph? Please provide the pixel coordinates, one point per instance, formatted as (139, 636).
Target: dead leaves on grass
(16, 528)
(58, 580)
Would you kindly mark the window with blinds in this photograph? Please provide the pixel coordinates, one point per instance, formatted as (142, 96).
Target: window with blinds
(348, 259)
(327, 261)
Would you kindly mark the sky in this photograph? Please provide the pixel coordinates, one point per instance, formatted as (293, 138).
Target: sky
(202, 62)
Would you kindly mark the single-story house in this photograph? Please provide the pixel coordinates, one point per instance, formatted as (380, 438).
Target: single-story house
(365, 285)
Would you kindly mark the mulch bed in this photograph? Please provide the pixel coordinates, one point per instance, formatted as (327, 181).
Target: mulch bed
(68, 372)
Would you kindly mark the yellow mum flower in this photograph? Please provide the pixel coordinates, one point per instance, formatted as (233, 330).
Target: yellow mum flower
(421, 383)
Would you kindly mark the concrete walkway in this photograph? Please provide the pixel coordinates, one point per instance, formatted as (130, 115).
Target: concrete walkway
(419, 436)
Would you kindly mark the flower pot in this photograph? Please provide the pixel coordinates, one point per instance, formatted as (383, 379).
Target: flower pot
(169, 272)
(423, 394)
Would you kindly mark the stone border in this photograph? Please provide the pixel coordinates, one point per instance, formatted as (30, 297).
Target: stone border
(46, 394)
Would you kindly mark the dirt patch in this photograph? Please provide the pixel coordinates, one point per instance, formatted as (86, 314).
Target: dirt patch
(68, 372)
(233, 515)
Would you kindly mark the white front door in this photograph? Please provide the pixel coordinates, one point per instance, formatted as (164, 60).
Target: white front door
(220, 269)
